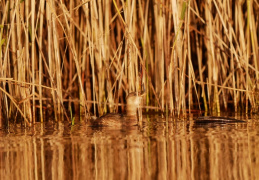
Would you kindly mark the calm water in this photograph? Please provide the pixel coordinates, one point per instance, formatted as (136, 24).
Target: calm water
(161, 149)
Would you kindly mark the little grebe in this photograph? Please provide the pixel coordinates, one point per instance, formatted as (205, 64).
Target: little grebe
(119, 120)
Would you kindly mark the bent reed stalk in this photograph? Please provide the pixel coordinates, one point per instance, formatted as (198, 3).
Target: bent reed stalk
(90, 54)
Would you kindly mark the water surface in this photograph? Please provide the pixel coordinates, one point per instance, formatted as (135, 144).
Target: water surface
(162, 148)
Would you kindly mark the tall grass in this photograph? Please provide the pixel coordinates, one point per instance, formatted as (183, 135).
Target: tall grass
(90, 54)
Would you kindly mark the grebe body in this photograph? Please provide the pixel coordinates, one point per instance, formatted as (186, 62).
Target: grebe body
(120, 120)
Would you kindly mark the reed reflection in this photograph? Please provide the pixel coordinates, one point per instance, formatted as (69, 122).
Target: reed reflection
(171, 150)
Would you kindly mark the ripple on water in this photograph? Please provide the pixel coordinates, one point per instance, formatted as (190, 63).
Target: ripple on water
(159, 148)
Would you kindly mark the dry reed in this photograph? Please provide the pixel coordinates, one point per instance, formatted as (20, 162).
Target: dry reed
(185, 53)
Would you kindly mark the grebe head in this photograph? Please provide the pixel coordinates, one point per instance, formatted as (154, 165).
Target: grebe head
(133, 102)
